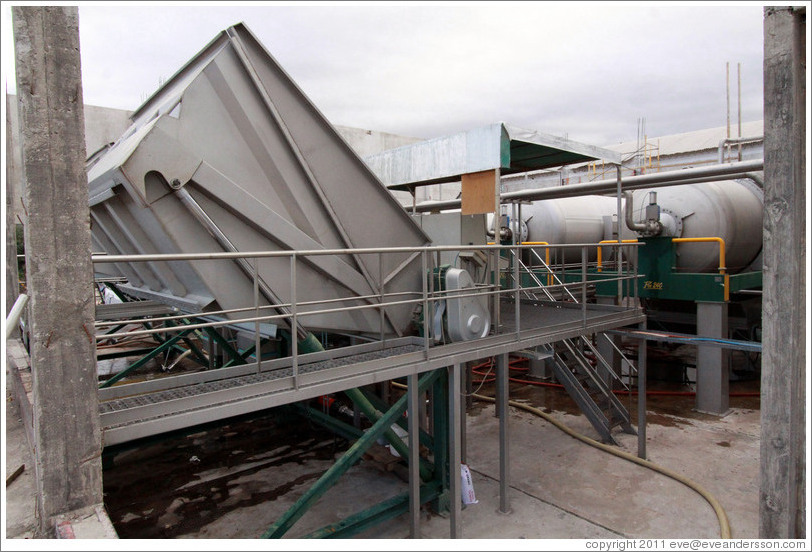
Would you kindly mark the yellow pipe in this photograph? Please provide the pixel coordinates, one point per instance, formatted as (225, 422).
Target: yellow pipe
(722, 267)
(600, 250)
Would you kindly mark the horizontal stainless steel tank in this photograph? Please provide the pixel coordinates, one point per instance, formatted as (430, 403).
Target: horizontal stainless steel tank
(728, 209)
(570, 220)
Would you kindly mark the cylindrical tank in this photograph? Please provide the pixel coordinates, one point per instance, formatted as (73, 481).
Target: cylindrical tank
(570, 220)
(727, 209)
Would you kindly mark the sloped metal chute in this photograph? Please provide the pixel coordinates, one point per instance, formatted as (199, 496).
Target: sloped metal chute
(230, 155)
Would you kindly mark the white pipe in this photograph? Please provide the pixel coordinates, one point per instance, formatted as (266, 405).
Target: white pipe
(653, 180)
(13, 317)
(726, 141)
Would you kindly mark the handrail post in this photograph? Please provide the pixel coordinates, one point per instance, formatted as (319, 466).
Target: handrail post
(294, 346)
(257, 349)
(426, 313)
(583, 283)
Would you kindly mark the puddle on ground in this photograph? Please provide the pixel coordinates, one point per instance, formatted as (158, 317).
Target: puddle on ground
(176, 486)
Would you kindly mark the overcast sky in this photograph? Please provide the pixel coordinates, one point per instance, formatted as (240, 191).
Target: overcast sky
(585, 70)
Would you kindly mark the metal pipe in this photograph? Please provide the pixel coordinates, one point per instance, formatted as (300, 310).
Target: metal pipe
(670, 178)
(651, 227)
(502, 394)
(310, 252)
(14, 316)
(728, 140)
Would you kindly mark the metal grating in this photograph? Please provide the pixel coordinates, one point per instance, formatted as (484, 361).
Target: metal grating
(220, 385)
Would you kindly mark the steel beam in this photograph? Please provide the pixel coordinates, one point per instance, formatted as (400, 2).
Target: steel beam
(284, 523)
(455, 446)
(502, 387)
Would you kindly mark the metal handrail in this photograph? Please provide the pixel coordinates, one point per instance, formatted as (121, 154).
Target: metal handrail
(382, 300)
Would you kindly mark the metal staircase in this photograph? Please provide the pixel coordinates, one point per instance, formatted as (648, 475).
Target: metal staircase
(590, 382)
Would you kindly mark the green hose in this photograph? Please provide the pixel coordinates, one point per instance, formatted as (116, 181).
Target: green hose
(724, 525)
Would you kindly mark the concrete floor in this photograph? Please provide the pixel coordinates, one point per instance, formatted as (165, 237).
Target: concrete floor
(234, 481)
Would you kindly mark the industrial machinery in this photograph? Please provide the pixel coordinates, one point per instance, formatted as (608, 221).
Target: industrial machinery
(229, 155)
(700, 245)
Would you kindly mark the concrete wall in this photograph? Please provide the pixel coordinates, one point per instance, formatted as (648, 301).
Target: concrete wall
(104, 125)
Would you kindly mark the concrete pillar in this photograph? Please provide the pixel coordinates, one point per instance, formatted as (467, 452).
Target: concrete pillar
(712, 370)
(59, 272)
(782, 510)
(12, 279)
(604, 347)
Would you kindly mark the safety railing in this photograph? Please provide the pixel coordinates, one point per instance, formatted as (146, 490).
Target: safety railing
(296, 310)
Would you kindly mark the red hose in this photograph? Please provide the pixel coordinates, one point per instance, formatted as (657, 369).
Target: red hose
(478, 371)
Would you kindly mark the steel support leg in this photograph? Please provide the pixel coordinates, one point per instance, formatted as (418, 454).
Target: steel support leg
(414, 458)
(455, 445)
(502, 367)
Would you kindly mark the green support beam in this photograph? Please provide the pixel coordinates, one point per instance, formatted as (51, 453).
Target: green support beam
(386, 510)
(425, 439)
(169, 343)
(439, 414)
(397, 443)
(328, 479)
(346, 430)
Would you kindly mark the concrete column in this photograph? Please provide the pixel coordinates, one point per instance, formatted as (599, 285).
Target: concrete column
(605, 348)
(782, 510)
(12, 280)
(712, 370)
(59, 272)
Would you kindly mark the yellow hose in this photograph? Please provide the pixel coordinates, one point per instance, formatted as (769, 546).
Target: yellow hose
(724, 524)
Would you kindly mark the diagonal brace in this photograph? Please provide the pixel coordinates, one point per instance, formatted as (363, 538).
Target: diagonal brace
(284, 523)
(155, 352)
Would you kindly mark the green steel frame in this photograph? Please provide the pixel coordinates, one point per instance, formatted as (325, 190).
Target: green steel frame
(435, 481)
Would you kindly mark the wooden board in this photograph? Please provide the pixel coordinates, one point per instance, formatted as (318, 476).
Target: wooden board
(478, 192)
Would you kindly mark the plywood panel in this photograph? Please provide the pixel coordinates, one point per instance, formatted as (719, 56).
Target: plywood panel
(478, 191)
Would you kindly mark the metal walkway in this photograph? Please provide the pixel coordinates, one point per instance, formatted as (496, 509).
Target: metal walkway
(137, 410)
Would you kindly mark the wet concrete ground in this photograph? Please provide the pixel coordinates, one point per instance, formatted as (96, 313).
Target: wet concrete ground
(235, 480)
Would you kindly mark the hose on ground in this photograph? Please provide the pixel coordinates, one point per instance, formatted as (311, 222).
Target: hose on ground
(724, 524)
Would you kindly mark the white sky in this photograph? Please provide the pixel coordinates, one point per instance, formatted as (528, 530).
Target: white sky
(585, 70)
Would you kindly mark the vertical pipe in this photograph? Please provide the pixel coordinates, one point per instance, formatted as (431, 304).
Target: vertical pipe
(727, 92)
(455, 446)
(257, 348)
(620, 233)
(739, 88)
(502, 367)
(414, 456)
(642, 359)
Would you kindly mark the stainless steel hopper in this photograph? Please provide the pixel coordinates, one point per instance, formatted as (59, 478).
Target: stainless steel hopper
(230, 155)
